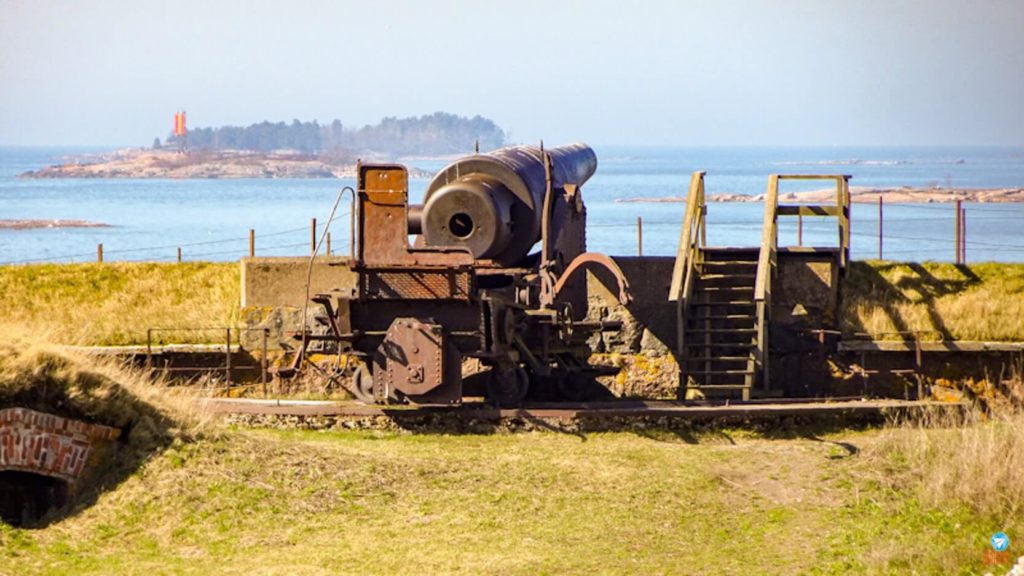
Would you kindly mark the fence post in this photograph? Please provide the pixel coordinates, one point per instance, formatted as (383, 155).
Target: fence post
(99, 253)
(639, 236)
(879, 226)
(252, 243)
(328, 243)
(312, 236)
(956, 233)
(179, 254)
(799, 229)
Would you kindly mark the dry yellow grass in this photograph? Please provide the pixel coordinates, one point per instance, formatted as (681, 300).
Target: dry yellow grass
(114, 303)
(977, 302)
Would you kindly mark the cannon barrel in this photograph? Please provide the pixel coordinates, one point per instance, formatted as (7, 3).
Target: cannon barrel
(491, 203)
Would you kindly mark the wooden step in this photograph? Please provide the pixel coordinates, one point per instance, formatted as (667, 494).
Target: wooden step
(718, 386)
(718, 359)
(723, 317)
(706, 289)
(721, 372)
(724, 303)
(721, 330)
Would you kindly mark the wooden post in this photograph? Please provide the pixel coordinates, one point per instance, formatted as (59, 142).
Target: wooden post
(799, 229)
(639, 236)
(879, 226)
(956, 233)
(312, 236)
(99, 253)
(252, 243)
(328, 243)
(179, 254)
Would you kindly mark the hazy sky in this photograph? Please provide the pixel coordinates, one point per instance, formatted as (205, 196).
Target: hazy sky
(630, 72)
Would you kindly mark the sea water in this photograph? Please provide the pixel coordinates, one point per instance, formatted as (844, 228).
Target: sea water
(210, 219)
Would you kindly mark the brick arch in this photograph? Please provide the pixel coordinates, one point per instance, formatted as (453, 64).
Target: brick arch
(49, 445)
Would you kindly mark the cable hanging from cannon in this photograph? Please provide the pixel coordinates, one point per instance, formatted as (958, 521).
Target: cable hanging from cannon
(468, 285)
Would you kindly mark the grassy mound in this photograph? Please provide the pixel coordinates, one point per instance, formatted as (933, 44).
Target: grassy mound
(114, 303)
(40, 378)
(300, 502)
(976, 302)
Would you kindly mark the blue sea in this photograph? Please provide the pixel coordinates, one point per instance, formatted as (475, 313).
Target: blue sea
(210, 219)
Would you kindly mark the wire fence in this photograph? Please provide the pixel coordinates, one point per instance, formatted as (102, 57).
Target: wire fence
(901, 231)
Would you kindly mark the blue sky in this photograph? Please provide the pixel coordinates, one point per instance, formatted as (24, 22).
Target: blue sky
(662, 73)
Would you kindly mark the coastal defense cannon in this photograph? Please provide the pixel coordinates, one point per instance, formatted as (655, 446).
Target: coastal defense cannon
(492, 204)
(467, 286)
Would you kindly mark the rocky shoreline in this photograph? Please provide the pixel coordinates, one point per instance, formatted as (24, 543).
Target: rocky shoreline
(203, 164)
(864, 195)
(33, 224)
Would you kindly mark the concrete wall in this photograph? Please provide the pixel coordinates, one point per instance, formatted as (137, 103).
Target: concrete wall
(274, 292)
(273, 282)
(649, 321)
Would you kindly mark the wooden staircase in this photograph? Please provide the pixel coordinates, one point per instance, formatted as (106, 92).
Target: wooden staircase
(724, 295)
(720, 354)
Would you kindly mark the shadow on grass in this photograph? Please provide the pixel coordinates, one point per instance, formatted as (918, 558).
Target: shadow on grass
(871, 287)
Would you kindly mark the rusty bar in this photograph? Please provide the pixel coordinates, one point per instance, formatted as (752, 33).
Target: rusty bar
(799, 229)
(956, 234)
(99, 252)
(880, 226)
(179, 254)
(312, 236)
(227, 363)
(252, 243)
(639, 236)
(149, 349)
(263, 362)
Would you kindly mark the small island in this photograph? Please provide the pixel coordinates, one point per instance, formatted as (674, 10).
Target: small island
(282, 150)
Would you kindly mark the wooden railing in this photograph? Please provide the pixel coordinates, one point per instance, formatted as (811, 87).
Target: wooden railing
(766, 263)
(692, 238)
(768, 257)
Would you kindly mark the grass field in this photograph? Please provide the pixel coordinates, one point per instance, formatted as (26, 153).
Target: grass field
(278, 502)
(114, 303)
(976, 302)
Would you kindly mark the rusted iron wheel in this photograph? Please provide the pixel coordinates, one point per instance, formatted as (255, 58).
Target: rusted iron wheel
(507, 388)
(362, 385)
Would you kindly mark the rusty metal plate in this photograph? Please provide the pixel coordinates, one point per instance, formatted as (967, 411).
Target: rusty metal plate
(414, 358)
(415, 284)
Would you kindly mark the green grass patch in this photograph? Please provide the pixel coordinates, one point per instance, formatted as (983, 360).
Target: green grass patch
(299, 502)
(976, 302)
(114, 303)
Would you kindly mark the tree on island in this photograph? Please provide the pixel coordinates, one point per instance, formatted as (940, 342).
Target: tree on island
(438, 133)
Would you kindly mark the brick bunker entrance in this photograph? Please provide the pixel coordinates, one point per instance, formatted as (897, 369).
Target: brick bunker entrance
(43, 457)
